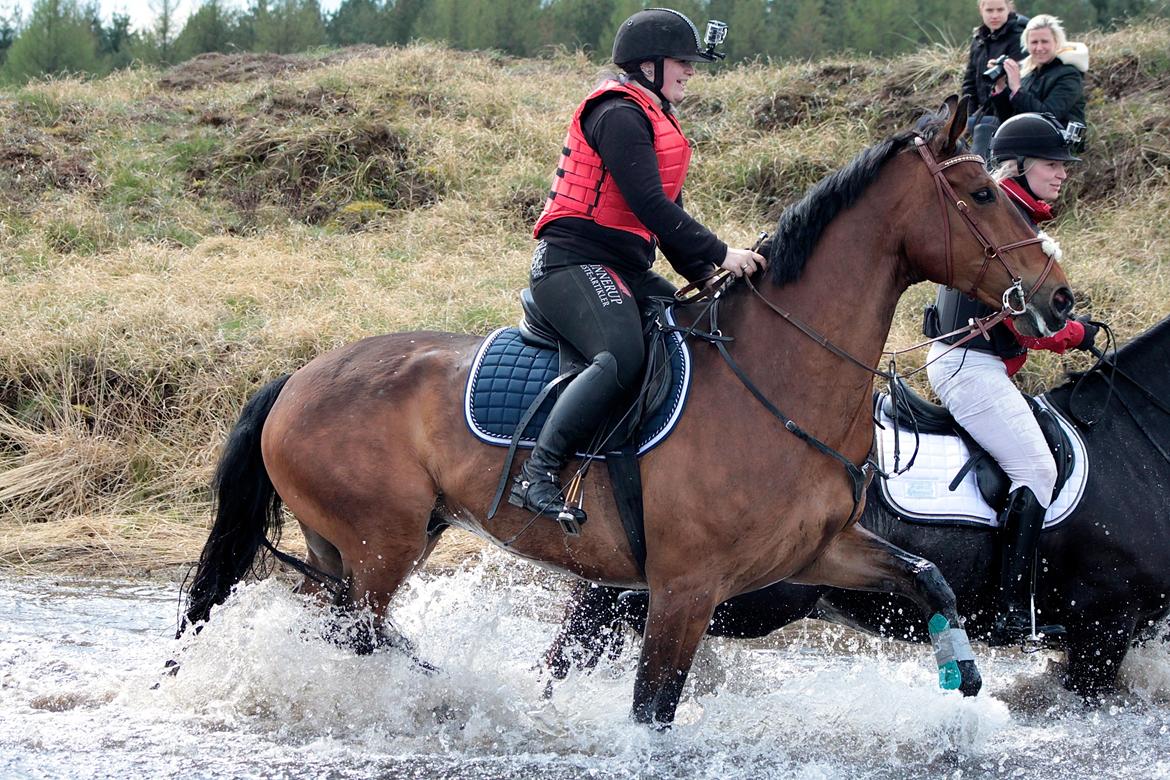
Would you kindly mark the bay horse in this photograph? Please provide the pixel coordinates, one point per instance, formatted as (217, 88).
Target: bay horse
(366, 445)
(1106, 567)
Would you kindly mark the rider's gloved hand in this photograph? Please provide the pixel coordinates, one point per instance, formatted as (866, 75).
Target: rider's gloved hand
(1091, 331)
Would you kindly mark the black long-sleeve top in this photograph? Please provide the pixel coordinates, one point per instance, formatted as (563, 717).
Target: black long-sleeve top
(621, 134)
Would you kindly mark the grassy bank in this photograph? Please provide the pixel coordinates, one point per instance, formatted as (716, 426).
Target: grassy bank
(169, 241)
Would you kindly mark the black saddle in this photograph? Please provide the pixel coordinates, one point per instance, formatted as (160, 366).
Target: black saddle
(912, 410)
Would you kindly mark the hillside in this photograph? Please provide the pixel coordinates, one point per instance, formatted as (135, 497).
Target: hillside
(171, 240)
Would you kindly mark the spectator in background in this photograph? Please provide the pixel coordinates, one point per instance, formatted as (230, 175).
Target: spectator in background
(1050, 80)
(1000, 34)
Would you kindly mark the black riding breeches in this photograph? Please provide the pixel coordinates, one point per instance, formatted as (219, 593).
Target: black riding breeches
(597, 310)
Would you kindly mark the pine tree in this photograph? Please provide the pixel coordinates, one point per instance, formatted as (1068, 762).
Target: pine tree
(289, 26)
(211, 28)
(803, 28)
(360, 21)
(165, 28)
(57, 40)
(9, 25)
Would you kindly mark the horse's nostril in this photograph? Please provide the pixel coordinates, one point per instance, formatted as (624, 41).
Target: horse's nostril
(1062, 301)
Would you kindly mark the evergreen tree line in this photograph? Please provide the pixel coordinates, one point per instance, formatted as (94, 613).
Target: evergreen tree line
(64, 36)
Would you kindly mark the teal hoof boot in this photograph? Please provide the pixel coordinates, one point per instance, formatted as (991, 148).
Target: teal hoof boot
(952, 652)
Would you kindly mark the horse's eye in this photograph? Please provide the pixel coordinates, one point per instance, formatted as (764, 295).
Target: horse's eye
(984, 196)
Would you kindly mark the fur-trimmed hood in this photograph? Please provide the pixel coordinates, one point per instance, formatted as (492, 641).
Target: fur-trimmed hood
(1076, 54)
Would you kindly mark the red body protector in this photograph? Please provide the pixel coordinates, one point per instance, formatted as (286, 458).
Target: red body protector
(582, 187)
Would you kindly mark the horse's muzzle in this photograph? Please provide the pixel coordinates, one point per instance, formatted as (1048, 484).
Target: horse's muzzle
(1045, 318)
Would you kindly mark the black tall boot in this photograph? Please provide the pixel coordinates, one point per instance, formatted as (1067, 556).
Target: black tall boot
(1020, 526)
(581, 409)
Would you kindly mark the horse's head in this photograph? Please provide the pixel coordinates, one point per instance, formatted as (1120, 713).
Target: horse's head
(969, 236)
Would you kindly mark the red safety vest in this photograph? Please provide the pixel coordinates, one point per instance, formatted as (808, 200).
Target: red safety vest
(582, 187)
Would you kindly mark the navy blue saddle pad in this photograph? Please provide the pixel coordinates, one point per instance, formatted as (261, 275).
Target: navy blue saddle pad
(508, 374)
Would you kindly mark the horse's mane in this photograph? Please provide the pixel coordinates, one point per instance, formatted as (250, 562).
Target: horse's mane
(802, 223)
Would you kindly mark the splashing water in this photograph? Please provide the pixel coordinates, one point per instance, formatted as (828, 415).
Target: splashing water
(261, 694)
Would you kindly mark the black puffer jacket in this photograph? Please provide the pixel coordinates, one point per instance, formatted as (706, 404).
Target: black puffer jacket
(1057, 88)
(988, 45)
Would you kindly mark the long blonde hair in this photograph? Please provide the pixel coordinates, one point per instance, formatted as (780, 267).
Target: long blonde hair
(1039, 22)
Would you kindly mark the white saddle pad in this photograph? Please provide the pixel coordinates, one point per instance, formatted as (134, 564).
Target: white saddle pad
(923, 493)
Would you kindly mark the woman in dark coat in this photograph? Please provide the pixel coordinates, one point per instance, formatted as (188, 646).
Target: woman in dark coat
(1050, 80)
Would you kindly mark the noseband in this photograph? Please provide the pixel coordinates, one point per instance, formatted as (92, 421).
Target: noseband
(1014, 298)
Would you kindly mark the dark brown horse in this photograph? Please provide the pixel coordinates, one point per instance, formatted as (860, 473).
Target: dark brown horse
(366, 445)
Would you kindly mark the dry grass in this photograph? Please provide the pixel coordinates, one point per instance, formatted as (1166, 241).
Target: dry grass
(171, 241)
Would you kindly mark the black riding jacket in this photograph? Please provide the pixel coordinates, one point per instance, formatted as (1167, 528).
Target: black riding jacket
(1054, 88)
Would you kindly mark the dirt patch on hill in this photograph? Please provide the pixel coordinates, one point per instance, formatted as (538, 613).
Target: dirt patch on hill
(216, 68)
(314, 172)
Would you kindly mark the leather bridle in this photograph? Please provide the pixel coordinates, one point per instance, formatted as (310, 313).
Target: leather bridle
(946, 194)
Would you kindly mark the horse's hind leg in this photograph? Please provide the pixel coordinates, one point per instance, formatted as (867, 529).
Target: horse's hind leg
(857, 559)
(373, 569)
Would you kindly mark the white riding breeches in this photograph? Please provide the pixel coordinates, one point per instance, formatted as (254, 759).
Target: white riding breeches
(975, 387)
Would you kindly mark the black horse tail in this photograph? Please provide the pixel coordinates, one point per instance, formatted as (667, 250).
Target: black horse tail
(247, 510)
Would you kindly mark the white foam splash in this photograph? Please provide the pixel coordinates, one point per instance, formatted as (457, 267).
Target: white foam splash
(261, 693)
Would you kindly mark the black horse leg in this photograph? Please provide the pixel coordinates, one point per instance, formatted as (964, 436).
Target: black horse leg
(857, 559)
(1095, 649)
(591, 627)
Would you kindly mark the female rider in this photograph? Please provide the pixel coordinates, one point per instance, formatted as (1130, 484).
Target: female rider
(616, 196)
(974, 381)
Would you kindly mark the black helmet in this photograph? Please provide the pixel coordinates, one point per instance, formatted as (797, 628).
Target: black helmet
(1035, 135)
(656, 33)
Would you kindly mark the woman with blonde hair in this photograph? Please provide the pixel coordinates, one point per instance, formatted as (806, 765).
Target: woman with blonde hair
(1050, 80)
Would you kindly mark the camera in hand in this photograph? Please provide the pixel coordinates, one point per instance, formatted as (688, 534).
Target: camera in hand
(996, 70)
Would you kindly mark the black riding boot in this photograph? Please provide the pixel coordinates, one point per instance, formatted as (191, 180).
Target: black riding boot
(1021, 523)
(578, 413)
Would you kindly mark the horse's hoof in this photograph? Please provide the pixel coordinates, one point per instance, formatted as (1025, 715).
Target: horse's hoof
(972, 681)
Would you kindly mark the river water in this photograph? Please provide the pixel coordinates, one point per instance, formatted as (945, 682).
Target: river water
(261, 695)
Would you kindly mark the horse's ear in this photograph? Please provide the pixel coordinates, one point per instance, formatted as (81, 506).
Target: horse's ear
(956, 125)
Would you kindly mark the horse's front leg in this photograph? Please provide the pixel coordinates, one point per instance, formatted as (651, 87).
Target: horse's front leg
(859, 560)
(678, 619)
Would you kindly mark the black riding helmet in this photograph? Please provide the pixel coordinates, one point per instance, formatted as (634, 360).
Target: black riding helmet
(655, 34)
(1033, 135)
